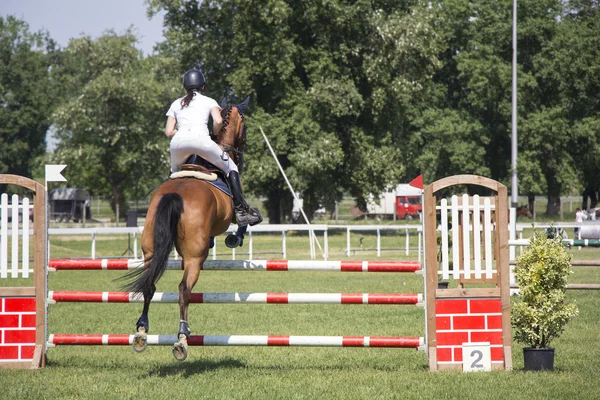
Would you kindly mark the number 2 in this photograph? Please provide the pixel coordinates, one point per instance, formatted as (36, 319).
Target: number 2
(479, 355)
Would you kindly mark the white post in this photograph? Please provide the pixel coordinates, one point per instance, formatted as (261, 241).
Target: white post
(25, 245)
(419, 234)
(93, 246)
(514, 182)
(250, 245)
(512, 230)
(326, 245)
(347, 241)
(214, 250)
(135, 255)
(4, 236)
(283, 245)
(378, 243)
(14, 270)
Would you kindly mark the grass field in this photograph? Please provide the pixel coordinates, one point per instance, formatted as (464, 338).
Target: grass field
(286, 373)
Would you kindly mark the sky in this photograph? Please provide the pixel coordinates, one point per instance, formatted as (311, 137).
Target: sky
(66, 19)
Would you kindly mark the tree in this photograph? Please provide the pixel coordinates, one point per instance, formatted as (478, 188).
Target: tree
(27, 95)
(468, 115)
(328, 82)
(565, 101)
(111, 131)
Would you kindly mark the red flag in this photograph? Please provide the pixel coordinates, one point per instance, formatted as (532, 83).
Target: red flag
(417, 182)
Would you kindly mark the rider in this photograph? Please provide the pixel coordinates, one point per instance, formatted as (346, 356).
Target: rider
(187, 126)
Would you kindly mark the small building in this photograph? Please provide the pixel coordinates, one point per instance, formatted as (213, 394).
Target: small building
(69, 204)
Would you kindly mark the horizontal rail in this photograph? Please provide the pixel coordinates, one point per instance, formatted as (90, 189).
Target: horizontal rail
(574, 263)
(240, 340)
(574, 286)
(570, 242)
(239, 265)
(583, 286)
(256, 298)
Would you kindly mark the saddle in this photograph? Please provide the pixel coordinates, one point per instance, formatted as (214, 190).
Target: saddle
(199, 168)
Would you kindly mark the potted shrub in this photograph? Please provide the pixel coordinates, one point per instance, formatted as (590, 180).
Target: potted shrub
(541, 312)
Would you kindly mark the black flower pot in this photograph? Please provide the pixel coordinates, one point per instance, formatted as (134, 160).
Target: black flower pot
(442, 285)
(539, 359)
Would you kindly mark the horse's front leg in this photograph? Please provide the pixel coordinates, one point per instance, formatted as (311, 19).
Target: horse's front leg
(190, 277)
(142, 326)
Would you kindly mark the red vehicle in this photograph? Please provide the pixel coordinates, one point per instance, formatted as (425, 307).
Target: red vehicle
(408, 202)
(404, 202)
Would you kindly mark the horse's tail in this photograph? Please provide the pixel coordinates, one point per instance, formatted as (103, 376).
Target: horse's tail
(166, 220)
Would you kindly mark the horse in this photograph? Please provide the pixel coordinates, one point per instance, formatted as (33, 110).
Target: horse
(524, 211)
(186, 213)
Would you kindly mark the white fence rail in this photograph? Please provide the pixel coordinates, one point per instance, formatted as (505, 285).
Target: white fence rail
(320, 231)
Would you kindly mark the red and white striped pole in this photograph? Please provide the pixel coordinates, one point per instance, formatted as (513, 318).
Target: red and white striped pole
(240, 340)
(256, 298)
(238, 265)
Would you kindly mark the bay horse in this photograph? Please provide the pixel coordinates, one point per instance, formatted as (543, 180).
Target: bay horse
(186, 213)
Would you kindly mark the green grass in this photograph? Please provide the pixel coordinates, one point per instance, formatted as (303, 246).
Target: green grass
(286, 373)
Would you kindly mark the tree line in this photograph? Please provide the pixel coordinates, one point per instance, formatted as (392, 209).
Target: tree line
(354, 96)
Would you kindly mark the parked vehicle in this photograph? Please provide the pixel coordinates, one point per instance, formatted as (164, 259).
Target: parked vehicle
(69, 204)
(404, 201)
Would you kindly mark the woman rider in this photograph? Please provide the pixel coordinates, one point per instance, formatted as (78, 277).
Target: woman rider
(187, 126)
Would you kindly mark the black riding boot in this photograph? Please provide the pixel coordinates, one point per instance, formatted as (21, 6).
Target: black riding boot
(244, 214)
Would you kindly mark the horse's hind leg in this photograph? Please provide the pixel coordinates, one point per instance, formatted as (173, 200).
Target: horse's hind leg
(190, 277)
(142, 326)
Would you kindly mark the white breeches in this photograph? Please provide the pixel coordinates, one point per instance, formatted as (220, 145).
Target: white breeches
(191, 140)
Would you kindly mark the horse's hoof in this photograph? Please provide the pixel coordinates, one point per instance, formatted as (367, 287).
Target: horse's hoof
(180, 349)
(140, 341)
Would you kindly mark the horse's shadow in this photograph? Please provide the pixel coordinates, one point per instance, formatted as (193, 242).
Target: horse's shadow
(195, 367)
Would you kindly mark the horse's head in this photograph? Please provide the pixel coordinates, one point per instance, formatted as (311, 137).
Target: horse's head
(233, 133)
(524, 210)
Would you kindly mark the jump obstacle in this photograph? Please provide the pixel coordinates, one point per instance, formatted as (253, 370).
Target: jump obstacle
(239, 265)
(453, 317)
(228, 298)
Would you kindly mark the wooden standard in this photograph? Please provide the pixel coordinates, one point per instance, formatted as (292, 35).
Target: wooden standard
(471, 247)
(25, 301)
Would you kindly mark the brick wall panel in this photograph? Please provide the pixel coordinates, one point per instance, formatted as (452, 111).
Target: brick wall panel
(17, 304)
(451, 338)
(444, 354)
(442, 323)
(9, 321)
(494, 322)
(27, 352)
(19, 336)
(492, 337)
(9, 352)
(469, 322)
(497, 353)
(485, 306)
(451, 306)
(458, 354)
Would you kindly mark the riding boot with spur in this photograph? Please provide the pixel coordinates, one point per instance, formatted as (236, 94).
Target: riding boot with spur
(244, 214)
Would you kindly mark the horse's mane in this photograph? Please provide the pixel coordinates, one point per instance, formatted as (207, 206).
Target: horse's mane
(239, 137)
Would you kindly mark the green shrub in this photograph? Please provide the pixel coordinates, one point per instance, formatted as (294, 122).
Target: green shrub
(541, 272)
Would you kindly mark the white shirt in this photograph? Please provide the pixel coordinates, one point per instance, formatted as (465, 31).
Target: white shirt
(195, 114)
(579, 216)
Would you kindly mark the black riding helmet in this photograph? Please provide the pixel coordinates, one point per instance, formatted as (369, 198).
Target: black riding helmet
(193, 79)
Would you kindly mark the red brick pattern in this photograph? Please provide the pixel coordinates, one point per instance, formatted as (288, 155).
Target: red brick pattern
(17, 328)
(461, 321)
